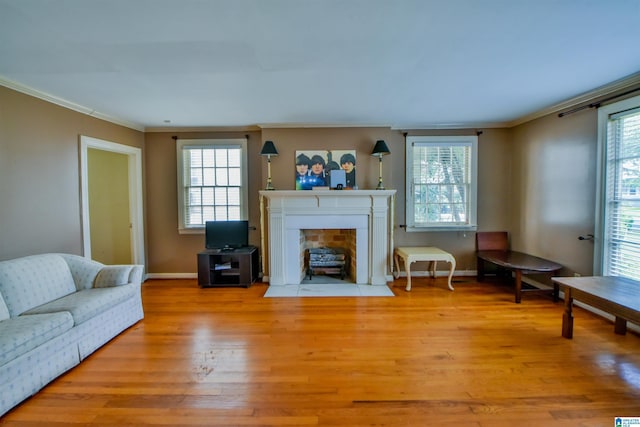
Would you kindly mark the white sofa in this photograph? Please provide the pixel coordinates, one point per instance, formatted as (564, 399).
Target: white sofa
(55, 310)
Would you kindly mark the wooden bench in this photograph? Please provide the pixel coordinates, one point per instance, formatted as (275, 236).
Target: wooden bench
(618, 296)
(493, 247)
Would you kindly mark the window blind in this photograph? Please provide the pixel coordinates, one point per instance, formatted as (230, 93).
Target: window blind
(622, 209)
(441, 182)
(211, 182)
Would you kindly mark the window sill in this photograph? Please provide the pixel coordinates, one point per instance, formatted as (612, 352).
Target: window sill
(441, 228)
(199, 230)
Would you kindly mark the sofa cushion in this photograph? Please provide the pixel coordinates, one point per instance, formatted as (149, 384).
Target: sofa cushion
(84, 305)
(83, 270)
(22, 334)
(34, 280)
(113, 275)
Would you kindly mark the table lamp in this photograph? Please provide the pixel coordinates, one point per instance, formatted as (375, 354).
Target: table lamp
(268, 149)
(379, 150)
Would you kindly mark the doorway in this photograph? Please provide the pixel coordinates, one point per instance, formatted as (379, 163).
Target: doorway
(111, 180)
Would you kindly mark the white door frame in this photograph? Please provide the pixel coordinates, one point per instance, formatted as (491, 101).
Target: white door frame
(134, 156)
(601, 248)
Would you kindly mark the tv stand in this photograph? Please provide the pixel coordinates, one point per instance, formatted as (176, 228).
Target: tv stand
(224, 267)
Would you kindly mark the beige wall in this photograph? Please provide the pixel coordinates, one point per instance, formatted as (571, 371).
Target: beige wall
(167, 248)
(536, 180)
(494, 171)
(169, 251)
(362, 140)
(554, 186)
(39, 173)
(493, 152)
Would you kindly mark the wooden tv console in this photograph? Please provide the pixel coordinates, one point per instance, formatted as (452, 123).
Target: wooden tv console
(238, 267)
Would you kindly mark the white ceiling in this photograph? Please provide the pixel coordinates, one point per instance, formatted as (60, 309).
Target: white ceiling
(399, 63)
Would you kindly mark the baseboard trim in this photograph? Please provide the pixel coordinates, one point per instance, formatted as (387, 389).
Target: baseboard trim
(631, 326)
(172, 276)
(439, 273)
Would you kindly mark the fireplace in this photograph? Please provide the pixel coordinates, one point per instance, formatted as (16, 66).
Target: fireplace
(341, 240)
(368, 212)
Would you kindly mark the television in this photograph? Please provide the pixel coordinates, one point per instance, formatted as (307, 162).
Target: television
(226, 235)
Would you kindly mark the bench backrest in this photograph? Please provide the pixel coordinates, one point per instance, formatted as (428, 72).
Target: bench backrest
(492, 241)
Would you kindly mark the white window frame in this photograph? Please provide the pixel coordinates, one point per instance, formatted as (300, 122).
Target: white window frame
(470, 141)
(604, 203)
(182, 180)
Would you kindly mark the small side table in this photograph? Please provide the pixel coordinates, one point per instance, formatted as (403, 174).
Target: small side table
(423, 253)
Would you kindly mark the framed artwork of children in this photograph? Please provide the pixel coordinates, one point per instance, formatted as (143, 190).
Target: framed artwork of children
(313, 169)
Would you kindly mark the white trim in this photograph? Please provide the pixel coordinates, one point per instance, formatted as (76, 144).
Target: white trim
(134, 155)
(593, 95)
(68, 104)
(164, 276)
(630, 326)
(439, 273)
(616, 86)
(289, 211)
(441, 140)
(180, 144)
(599, 252)
(602, 91)
(185, 129)
(320, 125)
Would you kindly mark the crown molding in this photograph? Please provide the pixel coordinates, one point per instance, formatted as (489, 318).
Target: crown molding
(451, 126)
(610, 89)
(586, 98)
(67, 104)
(161, 129)
(319, 125)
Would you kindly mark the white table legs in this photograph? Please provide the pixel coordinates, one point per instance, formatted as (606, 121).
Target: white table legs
(433, 255)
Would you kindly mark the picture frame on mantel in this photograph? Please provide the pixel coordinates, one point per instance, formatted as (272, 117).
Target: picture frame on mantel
(324, 169)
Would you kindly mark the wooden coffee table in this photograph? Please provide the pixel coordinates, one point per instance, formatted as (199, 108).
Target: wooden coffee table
(520, 263)
(615, 295)
(423, 253)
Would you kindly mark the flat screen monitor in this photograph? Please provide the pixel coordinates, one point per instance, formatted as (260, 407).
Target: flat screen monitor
(226, 234)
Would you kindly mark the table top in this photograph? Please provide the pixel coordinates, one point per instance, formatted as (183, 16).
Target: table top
(519, 260)
(619, 290)
(242, 250)
(428, 252)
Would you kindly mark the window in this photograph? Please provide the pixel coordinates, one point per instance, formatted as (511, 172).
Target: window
(441, 182)
(212, 177)
(619, 251)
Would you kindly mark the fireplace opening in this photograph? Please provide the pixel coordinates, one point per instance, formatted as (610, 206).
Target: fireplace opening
(328, 247)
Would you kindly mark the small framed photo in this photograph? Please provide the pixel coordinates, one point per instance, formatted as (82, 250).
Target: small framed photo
(346, 159)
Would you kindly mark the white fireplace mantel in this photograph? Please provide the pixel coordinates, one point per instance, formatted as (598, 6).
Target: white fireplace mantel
(369, 212)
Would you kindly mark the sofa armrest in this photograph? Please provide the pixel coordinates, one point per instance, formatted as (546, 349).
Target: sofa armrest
(118, 275)
(136, 274)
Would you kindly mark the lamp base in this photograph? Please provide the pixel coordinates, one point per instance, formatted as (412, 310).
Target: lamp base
(269, 186)
(380, 186)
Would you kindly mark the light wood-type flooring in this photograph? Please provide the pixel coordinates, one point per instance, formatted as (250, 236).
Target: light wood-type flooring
(429, 357)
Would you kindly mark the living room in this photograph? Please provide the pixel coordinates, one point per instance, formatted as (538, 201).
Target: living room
(48, 136)
(521, 161)
(537, 179)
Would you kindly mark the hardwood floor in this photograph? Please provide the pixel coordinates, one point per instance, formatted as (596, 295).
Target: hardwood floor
(228, 357)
